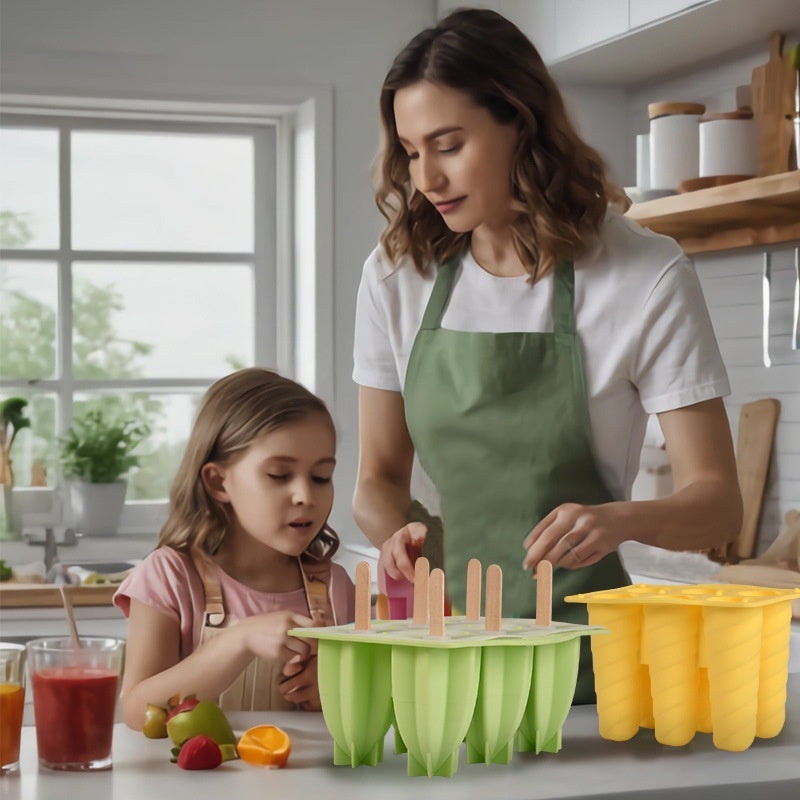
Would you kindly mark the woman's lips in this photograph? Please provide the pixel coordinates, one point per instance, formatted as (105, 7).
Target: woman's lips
(446, 206)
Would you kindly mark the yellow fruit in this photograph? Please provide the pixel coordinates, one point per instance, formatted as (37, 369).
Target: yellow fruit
(265, 746)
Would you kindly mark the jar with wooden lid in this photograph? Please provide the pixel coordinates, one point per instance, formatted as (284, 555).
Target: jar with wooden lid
(674, 143)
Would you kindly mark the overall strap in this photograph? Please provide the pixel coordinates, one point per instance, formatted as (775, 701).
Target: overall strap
(564, 298)
(316, 586)
(434, 311)
(214, 616)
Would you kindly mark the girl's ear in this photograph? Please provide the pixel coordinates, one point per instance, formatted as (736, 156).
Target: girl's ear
(213, 477)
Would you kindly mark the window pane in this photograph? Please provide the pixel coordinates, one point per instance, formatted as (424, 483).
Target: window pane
(161, 320)
(29, 180)
(28, 309)
(170, 418)
(162, 192)
(37, 442)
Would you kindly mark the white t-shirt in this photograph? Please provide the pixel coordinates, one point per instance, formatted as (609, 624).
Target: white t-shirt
(647, 341)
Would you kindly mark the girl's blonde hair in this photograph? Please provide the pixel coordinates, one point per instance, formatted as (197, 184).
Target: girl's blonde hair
(235, 411)
(558, 182)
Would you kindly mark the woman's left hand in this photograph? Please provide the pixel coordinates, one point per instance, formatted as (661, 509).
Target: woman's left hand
(574, 536)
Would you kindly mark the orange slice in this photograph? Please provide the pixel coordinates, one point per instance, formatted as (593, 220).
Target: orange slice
(265, 746)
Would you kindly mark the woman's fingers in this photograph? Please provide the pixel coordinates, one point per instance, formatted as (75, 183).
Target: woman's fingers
(399, 552)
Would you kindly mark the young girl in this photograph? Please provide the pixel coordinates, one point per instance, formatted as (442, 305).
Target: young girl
(243, 557)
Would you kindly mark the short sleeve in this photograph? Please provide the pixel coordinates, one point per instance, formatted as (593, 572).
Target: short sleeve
(160, 581)
(677, 361)
(374, 363)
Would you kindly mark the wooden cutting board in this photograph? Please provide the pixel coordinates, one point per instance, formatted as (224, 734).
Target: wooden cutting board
(757, 423)
(32, 595)
(773, 98)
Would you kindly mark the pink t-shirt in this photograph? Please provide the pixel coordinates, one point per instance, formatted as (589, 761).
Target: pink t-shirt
(168, 581)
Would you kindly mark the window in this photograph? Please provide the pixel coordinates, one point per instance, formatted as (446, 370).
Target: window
(137, 266)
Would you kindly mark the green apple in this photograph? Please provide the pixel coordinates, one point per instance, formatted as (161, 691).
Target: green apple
(203, 719)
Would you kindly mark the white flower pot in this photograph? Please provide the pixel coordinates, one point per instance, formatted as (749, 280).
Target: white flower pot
(96, 508)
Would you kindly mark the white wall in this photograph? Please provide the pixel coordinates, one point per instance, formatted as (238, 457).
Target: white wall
(731, 281)
(236, 51)
(213, 50)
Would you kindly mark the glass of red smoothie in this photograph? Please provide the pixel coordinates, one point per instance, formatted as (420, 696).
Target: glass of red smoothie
(75, 692)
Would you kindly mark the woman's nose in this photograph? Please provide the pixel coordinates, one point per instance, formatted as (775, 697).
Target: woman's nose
(431, 176)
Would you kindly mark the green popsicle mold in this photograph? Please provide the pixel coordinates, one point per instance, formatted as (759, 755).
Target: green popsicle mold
(355, 690)
(552, 687)
(485, 688)
(434, 692)
(500, 705)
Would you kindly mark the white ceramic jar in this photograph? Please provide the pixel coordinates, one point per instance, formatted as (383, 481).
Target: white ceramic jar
(728, 144)
(674, 143)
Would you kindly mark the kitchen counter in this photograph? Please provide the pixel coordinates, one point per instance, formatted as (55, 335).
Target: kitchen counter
(587, 766)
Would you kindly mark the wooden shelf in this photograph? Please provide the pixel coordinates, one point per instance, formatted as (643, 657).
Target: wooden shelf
(758, 211)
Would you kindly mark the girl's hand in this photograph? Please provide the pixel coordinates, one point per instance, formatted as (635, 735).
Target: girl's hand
(300, 686)
(574, 536)
(399, 552)
(266, 636)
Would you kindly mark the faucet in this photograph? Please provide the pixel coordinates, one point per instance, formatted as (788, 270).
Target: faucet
(51, 546)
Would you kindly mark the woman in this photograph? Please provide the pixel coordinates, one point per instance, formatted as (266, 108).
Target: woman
(514, 331)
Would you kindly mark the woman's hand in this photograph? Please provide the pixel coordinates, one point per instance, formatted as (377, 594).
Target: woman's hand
(266, 636)
(574, 536)
(399, 552)
(300, 686)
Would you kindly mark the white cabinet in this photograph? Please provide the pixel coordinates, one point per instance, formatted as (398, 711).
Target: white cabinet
(645, 12)
(583, 23)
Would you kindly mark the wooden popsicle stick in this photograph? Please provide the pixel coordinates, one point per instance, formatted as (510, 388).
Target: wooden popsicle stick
(494, 597)
(362, 596)
(381, 606)
(436, 602)
(421, 577)
(544, 594)
(473, 589)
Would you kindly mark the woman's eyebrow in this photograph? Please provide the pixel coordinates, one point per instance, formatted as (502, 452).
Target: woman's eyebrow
(434, 134)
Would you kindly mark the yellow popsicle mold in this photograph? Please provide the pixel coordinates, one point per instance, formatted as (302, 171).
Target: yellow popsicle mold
(710, 658)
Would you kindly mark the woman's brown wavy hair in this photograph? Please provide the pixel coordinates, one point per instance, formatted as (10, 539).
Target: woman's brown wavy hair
(558, 182)
(235, 411)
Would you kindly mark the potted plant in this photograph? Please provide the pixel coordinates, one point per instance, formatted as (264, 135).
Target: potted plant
(12, 421)
(96, 453)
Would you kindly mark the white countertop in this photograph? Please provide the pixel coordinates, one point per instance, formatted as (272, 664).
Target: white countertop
(587, 766)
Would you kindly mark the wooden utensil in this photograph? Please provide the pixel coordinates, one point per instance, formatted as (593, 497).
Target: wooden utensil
(773, 87)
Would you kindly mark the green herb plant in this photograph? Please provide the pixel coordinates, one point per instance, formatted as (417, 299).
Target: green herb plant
(12, 421)
(99, 449)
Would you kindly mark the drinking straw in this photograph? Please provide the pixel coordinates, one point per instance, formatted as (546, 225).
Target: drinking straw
(73, 628)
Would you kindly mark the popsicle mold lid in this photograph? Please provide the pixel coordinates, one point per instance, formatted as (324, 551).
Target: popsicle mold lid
(711, 594)
(459, 632)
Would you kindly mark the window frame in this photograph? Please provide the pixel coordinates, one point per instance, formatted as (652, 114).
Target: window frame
(301, 126)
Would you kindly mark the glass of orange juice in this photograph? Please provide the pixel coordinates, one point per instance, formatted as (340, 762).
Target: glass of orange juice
(12, 699)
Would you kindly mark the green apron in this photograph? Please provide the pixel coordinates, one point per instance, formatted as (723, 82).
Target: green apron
(500, 423)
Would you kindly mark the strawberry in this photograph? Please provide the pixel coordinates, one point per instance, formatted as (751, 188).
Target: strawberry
(199, 752)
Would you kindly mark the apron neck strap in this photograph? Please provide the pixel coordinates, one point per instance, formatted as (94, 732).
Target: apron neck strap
(320, 608)
(214, 616)
(563, 296)
(445, 278)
